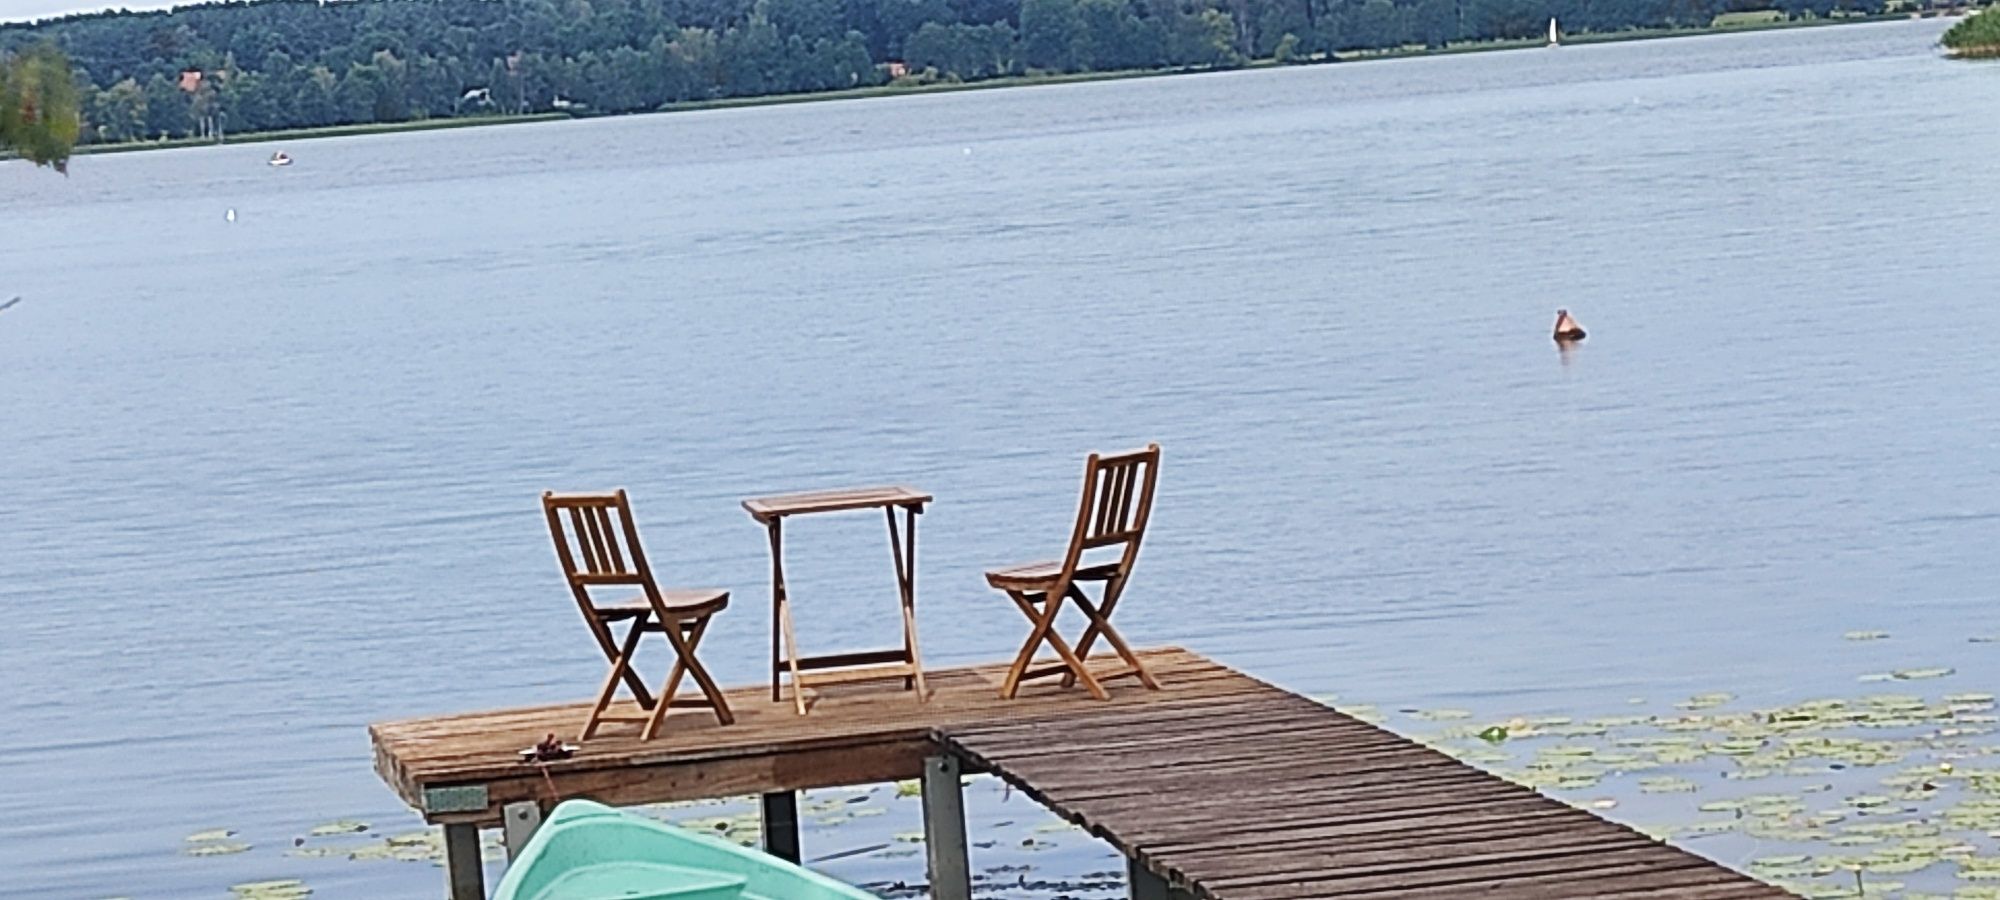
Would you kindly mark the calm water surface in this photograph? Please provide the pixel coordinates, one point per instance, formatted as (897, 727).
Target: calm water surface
(269, 481)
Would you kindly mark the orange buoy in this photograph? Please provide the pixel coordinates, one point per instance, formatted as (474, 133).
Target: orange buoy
(1566, 327)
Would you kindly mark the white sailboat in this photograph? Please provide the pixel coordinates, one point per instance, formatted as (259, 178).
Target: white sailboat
(1555, 40)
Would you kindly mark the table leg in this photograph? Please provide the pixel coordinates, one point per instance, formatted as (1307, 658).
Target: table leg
(905, 553)
(792, 660)
(782, 623)
(777, 606)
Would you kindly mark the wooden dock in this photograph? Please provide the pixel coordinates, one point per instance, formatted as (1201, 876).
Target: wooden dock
(1217, 786)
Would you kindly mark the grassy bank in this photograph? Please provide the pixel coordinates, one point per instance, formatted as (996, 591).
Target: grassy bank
(1735, 24)
(935, 87)
(1732, 24)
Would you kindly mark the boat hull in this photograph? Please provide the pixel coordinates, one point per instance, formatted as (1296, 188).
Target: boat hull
(588, 851)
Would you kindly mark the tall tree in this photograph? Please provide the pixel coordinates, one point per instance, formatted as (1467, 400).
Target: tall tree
(40, 116)
(120, 112)
(1051, 34)
(169, 110)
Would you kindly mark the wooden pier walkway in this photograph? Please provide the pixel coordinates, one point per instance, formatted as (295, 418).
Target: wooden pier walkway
(1217, 786)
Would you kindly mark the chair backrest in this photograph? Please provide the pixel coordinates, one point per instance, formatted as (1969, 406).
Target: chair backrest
(1117, 501)
(597, 543)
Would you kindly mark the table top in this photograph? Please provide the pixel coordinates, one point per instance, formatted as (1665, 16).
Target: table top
(765, 509)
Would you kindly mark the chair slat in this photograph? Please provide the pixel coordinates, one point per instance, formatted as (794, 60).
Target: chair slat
(1107, 499)
(614, 558)
(1131, 473)
(581, 533)
(1123, 498)
(607, 579)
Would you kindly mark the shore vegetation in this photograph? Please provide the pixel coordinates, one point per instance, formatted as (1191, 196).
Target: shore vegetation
(1975, 37)
(220, 70)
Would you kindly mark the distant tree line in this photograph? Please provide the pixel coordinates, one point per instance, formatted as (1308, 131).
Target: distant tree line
(304, 63)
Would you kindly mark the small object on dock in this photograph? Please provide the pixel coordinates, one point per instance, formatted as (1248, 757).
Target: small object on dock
(548, 750)
(1566, 327)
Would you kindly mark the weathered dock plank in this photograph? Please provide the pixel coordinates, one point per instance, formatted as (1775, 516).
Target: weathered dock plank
(1218, 785)
(1271, 795)
(855, 734)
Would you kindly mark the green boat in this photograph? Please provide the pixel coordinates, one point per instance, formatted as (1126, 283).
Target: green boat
(589, 851)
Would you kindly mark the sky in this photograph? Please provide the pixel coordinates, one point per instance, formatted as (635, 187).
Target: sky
(23, 10)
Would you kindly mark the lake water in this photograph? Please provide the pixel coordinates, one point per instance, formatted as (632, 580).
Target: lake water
(269, 481)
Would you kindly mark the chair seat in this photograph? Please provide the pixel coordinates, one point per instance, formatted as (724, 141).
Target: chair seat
(685, 603)
(1040, 576)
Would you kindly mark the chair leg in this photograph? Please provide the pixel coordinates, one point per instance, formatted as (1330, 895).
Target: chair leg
(1076, 665)
(1112, 589)
(1083, 644)
(621, 670)
(692, 635)
(671, 686)
(605, 640)
(685, 649)
(1044, 631)
(1100, 623)
(1042, 620)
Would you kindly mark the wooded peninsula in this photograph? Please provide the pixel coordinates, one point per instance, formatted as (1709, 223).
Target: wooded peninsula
(201, 71)
(1975, 37)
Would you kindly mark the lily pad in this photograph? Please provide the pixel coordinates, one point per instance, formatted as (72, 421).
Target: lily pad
(1668, 785)
(1917, 674)
(1705, 701)
(286, 889)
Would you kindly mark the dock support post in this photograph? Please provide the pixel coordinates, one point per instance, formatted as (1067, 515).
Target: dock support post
(518, 823)
(1148, 886)
(463, 868)
(781, 825)
(944, 830)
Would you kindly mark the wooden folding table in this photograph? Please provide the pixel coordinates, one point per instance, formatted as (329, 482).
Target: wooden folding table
(785, 658)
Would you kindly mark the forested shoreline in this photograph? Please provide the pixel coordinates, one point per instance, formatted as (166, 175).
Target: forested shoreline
(291, 64)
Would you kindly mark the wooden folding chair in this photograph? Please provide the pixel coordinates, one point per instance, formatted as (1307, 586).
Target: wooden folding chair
(598, 529)
(1110, 516)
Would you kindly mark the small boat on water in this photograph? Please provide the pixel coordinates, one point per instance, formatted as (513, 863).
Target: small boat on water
(1555, 38)
(280, 159)
(588, 851)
